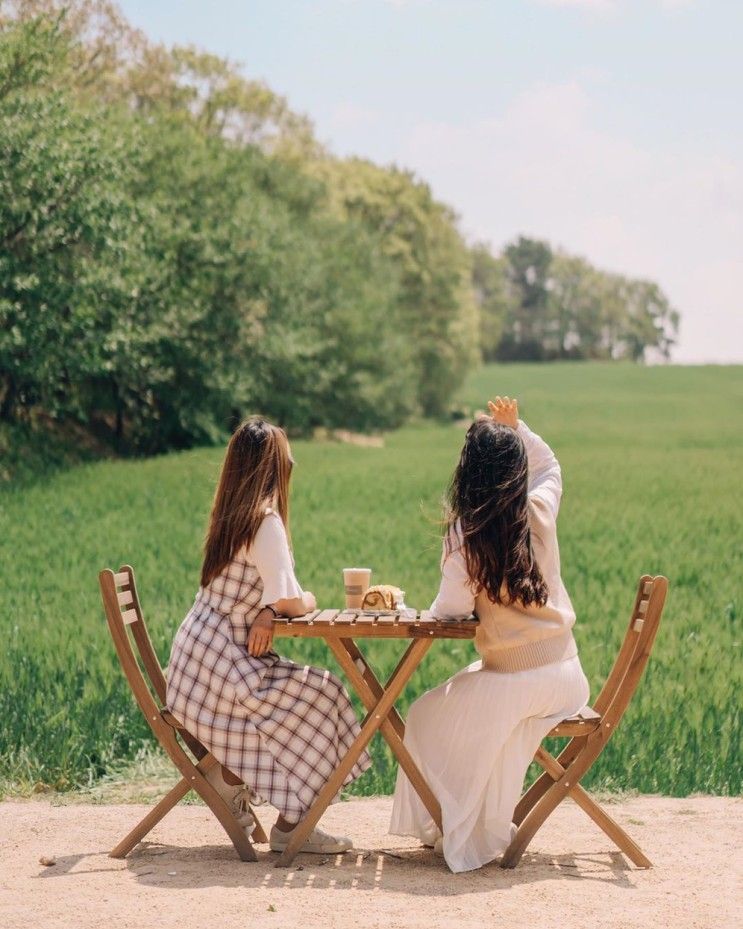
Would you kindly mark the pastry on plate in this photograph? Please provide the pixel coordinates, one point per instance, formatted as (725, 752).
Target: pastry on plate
(381, 597)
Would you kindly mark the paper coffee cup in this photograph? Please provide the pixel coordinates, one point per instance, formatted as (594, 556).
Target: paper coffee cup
(356, 582)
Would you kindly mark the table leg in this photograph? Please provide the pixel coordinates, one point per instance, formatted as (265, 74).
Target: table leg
(369, 689)
(370, 678)
(373, 721)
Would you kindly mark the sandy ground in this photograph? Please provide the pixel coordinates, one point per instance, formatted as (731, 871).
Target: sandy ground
(187, 875)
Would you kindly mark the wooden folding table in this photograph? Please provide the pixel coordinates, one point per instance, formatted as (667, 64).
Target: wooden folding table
(340, 629)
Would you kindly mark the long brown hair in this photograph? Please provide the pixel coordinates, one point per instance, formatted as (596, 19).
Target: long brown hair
(255, 474)
(488, 496)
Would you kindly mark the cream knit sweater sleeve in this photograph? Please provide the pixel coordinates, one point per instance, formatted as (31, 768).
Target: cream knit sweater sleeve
(456, 596)
(545, 477)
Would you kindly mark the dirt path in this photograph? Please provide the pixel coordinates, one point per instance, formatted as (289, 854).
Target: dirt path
(187, 876)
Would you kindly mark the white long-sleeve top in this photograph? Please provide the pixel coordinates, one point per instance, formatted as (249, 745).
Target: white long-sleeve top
(514, 637)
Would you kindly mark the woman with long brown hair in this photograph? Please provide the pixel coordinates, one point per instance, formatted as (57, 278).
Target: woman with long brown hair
(278, 728)
(474, 736)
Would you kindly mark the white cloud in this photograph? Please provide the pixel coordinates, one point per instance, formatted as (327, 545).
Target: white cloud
(598, 6)
(350, 116)
(606, 6)
(397, 3)
(542, 167)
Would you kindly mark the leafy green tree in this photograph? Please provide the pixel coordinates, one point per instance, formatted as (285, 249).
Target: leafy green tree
(576, 294)
(438, 311)
(62, 207)
(652, 323)
(528, 320)
(561, 306)
(255, 301)
(161, 280)
(491, 293)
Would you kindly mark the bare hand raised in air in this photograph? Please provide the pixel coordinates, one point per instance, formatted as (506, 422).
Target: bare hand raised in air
(505, 411)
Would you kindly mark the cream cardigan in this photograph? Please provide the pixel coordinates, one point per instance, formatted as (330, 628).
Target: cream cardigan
(517, 638)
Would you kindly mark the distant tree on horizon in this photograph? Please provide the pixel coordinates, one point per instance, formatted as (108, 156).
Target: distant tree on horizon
(553, 305)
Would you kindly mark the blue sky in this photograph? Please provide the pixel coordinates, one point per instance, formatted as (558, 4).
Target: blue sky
(611, 127)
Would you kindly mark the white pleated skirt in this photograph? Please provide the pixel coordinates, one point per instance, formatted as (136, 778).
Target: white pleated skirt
(473, 738)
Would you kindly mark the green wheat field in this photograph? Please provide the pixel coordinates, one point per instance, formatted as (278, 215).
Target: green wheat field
(652, 463)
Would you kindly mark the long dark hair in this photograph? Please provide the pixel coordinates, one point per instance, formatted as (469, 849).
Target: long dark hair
(488, 496)
(255, 474)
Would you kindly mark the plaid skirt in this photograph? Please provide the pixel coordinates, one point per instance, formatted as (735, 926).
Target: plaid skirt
(282, 727)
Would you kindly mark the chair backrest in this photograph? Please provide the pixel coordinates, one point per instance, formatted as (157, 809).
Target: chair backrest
(633, 655)
(127, 612)
(145, 677)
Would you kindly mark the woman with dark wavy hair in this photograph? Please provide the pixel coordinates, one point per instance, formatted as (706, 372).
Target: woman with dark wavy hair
(474, 736)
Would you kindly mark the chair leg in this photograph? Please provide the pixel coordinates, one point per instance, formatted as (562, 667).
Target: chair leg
(565, 779)
(258, 834)
(217, 805)
(211, 798)
(554, 768)
(537, 790)
(531, 824)
(149, 822)
(612, 828)
(553, 771)
(536, 818)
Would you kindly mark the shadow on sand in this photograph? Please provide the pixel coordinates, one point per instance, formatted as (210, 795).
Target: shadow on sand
(166, 866)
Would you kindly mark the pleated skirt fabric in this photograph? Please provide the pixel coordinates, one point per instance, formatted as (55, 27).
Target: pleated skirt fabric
(473, 738)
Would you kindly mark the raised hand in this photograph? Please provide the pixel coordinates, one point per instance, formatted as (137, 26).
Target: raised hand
(505, 411)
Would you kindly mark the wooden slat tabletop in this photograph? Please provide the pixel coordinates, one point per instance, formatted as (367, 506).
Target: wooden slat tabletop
(388, 625)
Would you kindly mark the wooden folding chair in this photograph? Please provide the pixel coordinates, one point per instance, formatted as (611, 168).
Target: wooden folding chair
(123, 611)
(590, 730)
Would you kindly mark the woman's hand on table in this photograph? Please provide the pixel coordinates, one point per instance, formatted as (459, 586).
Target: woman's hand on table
(260, 636)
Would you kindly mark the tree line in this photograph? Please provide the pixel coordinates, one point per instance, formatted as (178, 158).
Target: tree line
(538, 304)
(177, 249)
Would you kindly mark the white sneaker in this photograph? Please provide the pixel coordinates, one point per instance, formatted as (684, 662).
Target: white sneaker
(316, 843)
(438, 848)
(236, 796)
